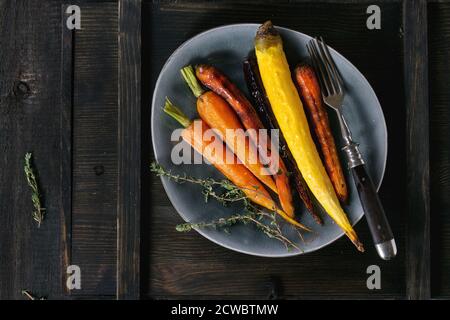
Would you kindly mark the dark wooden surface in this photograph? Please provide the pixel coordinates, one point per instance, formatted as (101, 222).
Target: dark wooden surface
(95, 149)
(67, 68)
(30, 121)
(59, 100)
(439, 70)
(60, 94)
(129, 204)
(187, 265)
(417, 148)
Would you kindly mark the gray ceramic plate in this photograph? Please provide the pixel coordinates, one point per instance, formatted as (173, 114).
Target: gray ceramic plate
(226, 47)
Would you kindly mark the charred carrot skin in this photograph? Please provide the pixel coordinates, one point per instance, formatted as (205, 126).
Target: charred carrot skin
(309, 88)
(236, 172)
(262, 106)
(258, 94)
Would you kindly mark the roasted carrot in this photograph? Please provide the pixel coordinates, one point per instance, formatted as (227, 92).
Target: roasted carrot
(215, 80)
(264, 110)
(218, 115)
(288, 110)
(310, 94)
(216, 112)
(237, 173)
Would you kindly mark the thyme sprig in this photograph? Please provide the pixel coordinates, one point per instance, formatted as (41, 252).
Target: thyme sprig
(264, 221)
(271, 230)
(231, 192)
(36, 197)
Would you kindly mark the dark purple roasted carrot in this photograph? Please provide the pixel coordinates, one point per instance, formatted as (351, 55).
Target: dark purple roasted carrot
(262, 107)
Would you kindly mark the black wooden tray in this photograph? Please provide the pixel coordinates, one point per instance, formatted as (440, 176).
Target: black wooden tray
(186, 265)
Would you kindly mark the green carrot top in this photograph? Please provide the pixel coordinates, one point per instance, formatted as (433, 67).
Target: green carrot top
(175, 112)
(188, 74)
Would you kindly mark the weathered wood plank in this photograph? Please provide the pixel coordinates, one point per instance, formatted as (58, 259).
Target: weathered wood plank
(417, 150)
(95, 151)
(31, 120)
(129, 154)
(67, 47)
(439, 51)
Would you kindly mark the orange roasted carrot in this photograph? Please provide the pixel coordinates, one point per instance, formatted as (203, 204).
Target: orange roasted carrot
(216, 112)
(309, 88)
(284, 190)
(236, 172)
(215, 80)
(218, 115)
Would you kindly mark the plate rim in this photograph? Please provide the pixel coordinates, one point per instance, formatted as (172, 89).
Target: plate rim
(166, 181)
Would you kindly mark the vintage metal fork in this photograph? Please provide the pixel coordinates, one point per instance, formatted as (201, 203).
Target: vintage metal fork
(332, 86)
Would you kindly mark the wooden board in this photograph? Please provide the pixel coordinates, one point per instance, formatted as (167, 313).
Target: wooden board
(95, 149)
(31, 121)
(129, 183)
(59, 100)
(417, 148)
(439, 66)
(74, 98)
(187, 265)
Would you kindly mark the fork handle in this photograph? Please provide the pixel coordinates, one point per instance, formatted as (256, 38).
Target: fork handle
(374, 212)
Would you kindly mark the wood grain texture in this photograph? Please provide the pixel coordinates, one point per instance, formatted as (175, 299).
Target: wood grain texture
(67, 56)
(187, 265)
(95, 151)
(129, 143)
(439, 69)
(30, 121)
(417, 150)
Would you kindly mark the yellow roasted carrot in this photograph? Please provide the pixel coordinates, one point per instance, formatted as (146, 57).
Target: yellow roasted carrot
(288, 110)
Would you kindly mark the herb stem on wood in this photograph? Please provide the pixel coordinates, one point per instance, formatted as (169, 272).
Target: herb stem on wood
(36, 197)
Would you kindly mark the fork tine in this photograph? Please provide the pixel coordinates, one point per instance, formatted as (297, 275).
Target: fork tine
(334, 68)
(322, 55)
(324, 77)
(316, 67)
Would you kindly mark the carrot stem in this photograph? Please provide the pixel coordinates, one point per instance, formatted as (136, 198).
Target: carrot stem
(175, 112)
(188, 74)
